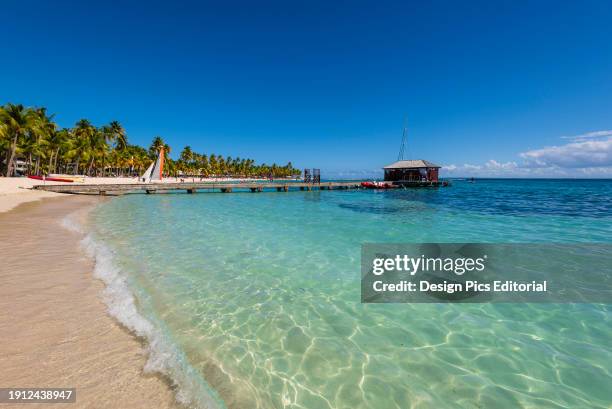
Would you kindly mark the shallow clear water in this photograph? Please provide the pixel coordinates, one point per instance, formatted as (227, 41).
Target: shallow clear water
(258, 295)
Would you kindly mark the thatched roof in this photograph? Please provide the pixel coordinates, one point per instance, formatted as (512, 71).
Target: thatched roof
(406, 164)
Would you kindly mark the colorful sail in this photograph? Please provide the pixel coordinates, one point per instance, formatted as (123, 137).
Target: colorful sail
(155, 170)
(158, 169)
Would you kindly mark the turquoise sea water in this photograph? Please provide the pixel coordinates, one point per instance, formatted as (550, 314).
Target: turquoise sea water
(252, 300)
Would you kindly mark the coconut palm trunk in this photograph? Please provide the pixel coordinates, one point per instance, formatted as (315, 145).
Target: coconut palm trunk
(30, 163)
(7, 154)
(11, 156)
(51, 169)
(55, 161)
(90, 166)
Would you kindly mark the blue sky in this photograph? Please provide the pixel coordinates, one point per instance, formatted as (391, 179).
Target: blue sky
(505, 88)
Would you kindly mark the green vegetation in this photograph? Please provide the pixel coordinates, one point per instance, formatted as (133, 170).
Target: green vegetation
(30, 136)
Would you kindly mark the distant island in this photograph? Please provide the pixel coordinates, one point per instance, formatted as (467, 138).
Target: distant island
(33, 144)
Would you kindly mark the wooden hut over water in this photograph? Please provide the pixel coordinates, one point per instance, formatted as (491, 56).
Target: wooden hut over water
(412, 172)
(419, 172)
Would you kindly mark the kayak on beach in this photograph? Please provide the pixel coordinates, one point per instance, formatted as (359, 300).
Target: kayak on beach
(74, 178)
(50, 179)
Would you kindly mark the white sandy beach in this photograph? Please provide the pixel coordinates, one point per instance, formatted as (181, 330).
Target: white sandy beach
(57, 332)
(14, 191)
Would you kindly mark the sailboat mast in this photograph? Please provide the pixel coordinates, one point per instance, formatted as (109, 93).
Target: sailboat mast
(403, 144)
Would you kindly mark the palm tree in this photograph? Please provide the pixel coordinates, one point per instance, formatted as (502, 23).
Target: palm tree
(186, 160)
(214, 164)
(43, 128)
(113, 134)
(99, 148)
(4, 135)
(120, 137)
(156, 146)
(187, 154)
(83, 134)
(58, 142)
(33, 133)
(140, 158)
(204, 165)
(18, 121)
(31, 147)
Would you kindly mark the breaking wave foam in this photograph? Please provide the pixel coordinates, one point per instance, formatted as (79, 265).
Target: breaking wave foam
(163, 356)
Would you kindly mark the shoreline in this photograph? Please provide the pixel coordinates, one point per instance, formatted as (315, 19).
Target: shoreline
(60, 331)
(17, 190)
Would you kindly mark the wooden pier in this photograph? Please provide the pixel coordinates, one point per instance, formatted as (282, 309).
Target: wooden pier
(254, 187)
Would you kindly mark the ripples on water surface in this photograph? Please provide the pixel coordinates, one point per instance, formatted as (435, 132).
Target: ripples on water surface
(261, 294)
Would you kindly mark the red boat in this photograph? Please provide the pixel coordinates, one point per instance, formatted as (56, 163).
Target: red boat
(50, 179)
(377, 185)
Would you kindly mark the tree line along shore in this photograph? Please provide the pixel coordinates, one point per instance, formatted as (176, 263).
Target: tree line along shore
(32, 143)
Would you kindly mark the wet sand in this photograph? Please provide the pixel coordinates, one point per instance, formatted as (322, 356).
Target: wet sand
(54, 328)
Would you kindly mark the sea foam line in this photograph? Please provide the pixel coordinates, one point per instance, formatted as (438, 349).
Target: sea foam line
(163, 356)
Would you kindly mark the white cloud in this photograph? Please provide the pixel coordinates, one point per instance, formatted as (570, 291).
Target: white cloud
(495, 165)
(491, 168)
(584, 154)
(587, 155)
(588, 135)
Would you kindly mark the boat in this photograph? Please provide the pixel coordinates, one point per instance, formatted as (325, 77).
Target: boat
(378, 185)
(50, 179)
(155, 171)
(146, 177)
(74, 178)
